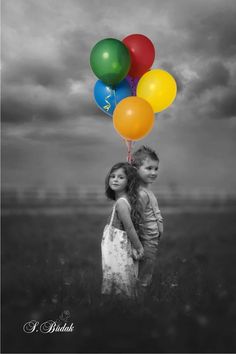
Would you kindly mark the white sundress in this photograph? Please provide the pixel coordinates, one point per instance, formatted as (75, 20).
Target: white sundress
(120, 270)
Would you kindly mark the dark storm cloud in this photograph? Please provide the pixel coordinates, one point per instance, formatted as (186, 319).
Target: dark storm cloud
(214, 74)
(216, 33)
(35, 72)
(75, 50)
(45, 63)
(223, 106)
(29, 103)
(57, 39)
(70, 62)
(209, 27)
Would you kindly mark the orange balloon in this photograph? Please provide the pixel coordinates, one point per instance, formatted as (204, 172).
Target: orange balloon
(133, 118)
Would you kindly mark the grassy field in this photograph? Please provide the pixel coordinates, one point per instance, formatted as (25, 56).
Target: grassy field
(53, 263)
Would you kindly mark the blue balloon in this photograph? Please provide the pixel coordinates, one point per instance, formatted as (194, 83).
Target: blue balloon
(107, 97)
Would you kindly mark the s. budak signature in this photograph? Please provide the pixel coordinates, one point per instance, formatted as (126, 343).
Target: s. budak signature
(49, 326)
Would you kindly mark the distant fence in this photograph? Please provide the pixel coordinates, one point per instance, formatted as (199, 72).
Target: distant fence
(18, 199)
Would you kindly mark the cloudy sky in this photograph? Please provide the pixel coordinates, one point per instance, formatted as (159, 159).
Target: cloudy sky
(53, 134)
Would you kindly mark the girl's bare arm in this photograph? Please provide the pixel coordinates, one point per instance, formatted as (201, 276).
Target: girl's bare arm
(124, 215)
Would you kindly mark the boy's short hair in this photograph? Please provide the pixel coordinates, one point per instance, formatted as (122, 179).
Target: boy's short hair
(141, 154)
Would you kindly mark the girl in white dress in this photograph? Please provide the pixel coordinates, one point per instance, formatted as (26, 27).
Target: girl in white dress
(121, 247)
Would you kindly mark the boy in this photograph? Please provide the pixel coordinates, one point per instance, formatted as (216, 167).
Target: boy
(146, 161)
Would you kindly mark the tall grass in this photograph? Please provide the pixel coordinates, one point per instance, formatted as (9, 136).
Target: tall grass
(52, 264)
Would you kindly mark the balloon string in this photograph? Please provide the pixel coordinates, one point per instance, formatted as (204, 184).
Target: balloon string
(108, 105)
(129, 148)
(114, 93)
(129, 157)
(132, 86)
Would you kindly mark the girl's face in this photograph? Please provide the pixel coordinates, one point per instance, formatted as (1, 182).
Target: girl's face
(148, 171)
(118, 180)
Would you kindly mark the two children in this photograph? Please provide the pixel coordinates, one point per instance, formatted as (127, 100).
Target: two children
(135, 226)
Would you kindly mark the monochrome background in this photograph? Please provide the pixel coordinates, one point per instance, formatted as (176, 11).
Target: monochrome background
(57, 147)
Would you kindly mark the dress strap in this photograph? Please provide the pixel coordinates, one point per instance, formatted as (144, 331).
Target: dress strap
(112, 215)
(125, 201)
(114, 209)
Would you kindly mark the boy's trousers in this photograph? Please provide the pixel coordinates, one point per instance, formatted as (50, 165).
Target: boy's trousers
(147, 264)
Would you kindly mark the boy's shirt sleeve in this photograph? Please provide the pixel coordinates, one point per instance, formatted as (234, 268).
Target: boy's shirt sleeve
(159, 219)
(158, 215)
(143, 198)
(156, 209)
(146, 198)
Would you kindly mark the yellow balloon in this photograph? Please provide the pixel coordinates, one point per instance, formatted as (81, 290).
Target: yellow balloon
(133, 118)
(158, 87)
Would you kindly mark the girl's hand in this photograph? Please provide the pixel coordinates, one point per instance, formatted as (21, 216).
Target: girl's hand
(138, 253)
(135, 254)
(141, 252)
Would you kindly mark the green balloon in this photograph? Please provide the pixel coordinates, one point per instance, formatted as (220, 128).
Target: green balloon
(110, 61)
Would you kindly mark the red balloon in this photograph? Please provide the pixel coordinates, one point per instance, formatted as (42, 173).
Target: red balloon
(142, 53)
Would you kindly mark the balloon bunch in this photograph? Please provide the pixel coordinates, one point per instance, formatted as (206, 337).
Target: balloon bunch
(128, 89)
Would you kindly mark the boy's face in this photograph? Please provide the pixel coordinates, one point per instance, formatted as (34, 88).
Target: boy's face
(148, 171)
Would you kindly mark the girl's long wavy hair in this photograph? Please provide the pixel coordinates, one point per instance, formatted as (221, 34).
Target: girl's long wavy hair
(131, 190)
